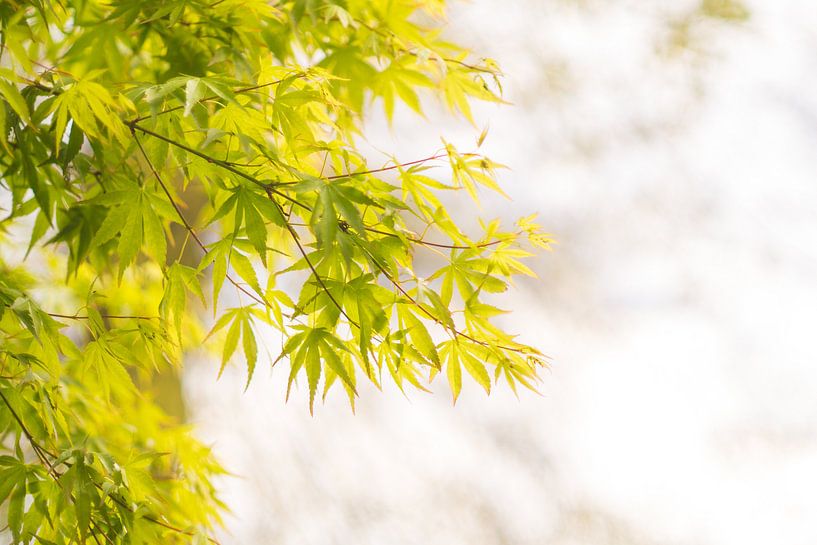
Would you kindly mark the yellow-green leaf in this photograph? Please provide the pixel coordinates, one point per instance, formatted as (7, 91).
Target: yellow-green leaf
(15, 100)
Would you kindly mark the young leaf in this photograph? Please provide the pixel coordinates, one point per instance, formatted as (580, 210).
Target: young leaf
(193, 93)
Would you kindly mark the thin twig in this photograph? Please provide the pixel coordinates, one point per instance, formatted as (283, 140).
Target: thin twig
(436, 244)
(214, 97)
(376, 170)
(106, 316)
(294, 236)
(226, 166)
(392, 35)
(428, 313)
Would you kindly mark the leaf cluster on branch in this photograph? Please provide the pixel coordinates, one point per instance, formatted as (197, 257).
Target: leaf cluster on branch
(162, 157)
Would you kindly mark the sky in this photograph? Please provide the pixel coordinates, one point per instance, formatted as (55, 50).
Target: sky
(677, 307)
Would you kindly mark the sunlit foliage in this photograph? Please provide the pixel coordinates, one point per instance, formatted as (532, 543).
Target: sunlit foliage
(116, 118)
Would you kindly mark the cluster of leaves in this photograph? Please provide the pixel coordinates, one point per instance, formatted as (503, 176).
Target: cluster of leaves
(95, 456)
(116, 117)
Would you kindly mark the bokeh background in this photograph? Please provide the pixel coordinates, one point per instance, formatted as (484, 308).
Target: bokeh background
(671, 148)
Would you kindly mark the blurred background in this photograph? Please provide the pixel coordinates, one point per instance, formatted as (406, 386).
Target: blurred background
(671, 148)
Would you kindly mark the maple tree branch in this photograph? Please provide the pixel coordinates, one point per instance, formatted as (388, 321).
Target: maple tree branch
(187, 225)
(269, 190)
